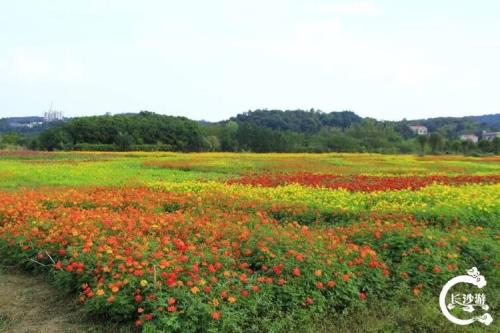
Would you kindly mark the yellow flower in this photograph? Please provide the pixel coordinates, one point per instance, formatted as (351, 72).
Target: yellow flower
(195, 290)
(100, 292)
(144, 283)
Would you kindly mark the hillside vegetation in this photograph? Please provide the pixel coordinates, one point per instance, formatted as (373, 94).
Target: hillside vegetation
(263, 131)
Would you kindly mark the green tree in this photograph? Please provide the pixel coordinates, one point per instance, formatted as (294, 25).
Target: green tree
(422, 141)
(124, 141)
(212, 143)
(436, 142)
(485, 146)
(55, 139)
(12, 138)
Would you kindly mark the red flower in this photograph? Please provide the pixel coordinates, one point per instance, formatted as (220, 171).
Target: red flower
(215, 315)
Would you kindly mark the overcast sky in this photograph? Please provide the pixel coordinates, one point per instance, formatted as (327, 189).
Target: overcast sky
(212, 59)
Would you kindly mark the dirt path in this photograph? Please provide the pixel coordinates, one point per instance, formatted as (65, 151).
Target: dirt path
(28, 304)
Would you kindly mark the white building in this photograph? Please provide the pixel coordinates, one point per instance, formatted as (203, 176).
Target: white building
(419, 130)
(52, 116)
(469, 137)
(490, 135)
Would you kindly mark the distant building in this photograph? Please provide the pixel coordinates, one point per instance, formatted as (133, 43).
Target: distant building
(469, 137)
(490, 135)
(26, 125)
(52, 116)
(419, 130)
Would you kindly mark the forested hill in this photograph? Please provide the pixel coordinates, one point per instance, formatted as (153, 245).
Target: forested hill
(454, 126)
(265, 131)
(491, 120)
(298, 120)
(313, 121)
(145, 130)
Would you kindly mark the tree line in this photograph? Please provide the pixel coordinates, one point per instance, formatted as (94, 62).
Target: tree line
(254, 131)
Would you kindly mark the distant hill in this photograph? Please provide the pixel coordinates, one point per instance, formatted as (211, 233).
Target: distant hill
(491, 120)
(27, 125)
(23, 120)
(299, 121)
(121, 132)
(452, 127)
(254, 131)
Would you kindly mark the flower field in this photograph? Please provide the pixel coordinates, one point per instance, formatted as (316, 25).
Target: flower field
(248, 242)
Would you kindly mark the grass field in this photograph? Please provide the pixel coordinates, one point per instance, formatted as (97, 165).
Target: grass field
(247, 242)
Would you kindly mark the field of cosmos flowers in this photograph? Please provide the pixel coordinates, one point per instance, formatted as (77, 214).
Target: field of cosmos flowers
(251, 242)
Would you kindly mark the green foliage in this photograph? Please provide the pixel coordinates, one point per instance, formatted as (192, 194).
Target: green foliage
(422, 141)
(436, 142)
(264, 131)
(123, 132)
(298, 120)
(12, 138)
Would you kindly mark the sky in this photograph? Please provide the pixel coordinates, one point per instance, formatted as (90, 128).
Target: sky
(387, 59)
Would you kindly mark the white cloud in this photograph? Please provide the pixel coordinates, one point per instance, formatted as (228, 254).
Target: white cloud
(354, 8)
(34, 66)
(328, 49)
